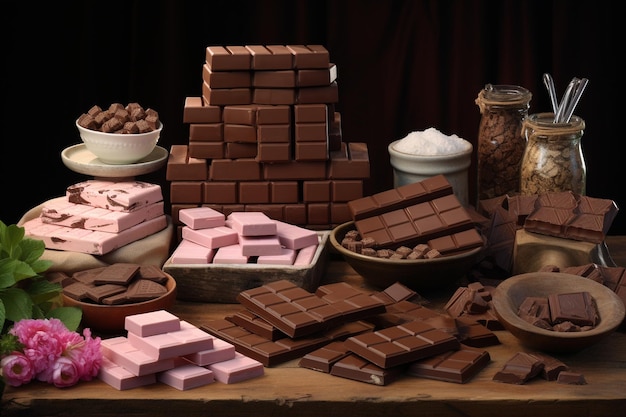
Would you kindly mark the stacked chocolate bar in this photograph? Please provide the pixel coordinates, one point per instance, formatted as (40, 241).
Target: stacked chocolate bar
(264, 135)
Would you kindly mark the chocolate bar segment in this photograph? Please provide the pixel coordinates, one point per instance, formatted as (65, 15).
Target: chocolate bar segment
(578, 308)
(454, 366)
(401, 344)
(520, 368)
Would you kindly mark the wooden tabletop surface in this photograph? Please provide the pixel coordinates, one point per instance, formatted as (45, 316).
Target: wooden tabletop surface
(293, 391)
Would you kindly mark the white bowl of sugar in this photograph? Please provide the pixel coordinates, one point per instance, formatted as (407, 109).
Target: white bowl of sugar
(423, 154)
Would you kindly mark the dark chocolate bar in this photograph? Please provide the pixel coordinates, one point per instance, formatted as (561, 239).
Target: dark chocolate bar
(401, 344)
(454, 366)
(552, 366)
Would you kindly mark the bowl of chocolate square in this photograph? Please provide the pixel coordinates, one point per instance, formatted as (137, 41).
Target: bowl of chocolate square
(557, 312)
(106, 295)
(120, 135)
(419, 267)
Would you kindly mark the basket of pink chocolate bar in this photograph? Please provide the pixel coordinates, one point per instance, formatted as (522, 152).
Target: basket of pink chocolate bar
(556, 311)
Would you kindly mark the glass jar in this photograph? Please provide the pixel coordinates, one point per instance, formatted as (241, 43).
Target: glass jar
(553, 160)
(500, 143)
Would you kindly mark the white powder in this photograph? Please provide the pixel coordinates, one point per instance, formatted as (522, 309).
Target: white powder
(431, 142)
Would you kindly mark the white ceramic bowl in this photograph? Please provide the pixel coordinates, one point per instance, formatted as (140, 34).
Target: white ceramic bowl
(119, 149)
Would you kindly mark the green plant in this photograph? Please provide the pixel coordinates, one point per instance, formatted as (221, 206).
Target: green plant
(24, 292)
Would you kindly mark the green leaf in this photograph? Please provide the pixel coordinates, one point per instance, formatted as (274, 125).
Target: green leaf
(42, 290)
(3, 316)
(7, 272)
(70, 316)
(17, 303)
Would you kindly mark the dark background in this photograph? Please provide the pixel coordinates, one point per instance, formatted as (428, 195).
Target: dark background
(402, 65)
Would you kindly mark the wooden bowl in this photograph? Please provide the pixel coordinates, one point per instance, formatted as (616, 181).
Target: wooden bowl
(110, 318)
(418, 274)
(510, 293)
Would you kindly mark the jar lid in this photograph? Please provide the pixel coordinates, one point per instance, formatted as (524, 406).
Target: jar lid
(503, 94)
(543, 124)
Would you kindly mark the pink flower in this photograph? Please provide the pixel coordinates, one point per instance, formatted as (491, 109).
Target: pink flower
(16, 369)
(52, 353)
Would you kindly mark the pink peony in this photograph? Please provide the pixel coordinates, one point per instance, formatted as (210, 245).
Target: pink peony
(16, 369)
(64, 373)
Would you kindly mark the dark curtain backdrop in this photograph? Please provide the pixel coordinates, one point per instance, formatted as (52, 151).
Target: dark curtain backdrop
(402, 65)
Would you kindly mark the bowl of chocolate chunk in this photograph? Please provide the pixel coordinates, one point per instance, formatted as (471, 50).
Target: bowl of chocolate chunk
(108, 294)
(557, 312)
(419, 266)
(120, 135)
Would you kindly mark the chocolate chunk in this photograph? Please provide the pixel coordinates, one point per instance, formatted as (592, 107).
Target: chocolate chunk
(552, 366)
(578, 308)
(454, 366)
(118, 273)
(324, 358)
(255, 324)
(571, 378)
(519, 369)
(358, 369)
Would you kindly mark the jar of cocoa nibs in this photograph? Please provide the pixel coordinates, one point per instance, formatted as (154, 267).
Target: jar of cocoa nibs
(553, 160)
(500, 143)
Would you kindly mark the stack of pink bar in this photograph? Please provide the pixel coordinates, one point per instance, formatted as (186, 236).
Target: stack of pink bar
(209, 236)
(99, 216)
(161, 347)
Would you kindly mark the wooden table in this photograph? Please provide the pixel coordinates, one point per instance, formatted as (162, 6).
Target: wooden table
(292, 391)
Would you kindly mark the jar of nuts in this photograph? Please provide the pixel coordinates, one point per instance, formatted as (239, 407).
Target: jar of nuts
(553, 160)
(500, 142)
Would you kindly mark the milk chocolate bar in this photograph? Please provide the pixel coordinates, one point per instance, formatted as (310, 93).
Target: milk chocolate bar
(571, 216)
(297, 312)
(400, 197)
(274, 352)
(401, 344)
(454, 366)
(417, 223)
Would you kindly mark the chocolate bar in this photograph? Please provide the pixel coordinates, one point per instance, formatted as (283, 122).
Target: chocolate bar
(399, 197)
(274, 352)
(454, 366)
(297, 312)
(401, 344)
(571, 216)
(124, 196)
(417, 223)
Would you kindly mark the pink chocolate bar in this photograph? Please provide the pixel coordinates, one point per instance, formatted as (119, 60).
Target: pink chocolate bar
(61, 212)
(120, 378)
(212, 238)
(222, 351)
(286, 257)
(114, 195)
(120, 351)
(240, 368)
(151, 323)
(188, 252)
(305, 255)
(201, 217)
(251, 223)
(230, 254)
(188, 339)
(260, 245)
(186, 376)
(90, 241)
(295, 237)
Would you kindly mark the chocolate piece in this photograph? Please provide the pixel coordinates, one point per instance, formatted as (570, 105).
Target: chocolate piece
(473, 333)
(535, 309)
(457, 242)
(139, 290)
(578, 308)
(358, 369)
(519, 369)
(401, 344)
(99, 292)
(255, 324)
(552, 366)
(271, 353)
(324, 358)
(571, 378)
(455, 366)
(118, 273)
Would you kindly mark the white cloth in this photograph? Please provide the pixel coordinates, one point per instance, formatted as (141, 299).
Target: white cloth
(151, 250)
